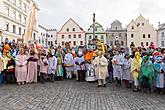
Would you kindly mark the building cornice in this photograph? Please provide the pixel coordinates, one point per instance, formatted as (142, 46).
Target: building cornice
(11, 19)
(15, 7)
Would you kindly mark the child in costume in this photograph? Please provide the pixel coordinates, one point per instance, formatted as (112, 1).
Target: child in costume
(159, 67)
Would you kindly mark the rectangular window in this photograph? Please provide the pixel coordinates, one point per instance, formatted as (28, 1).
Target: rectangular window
(7, 10)
(122, 43)
(113, 35)
(20, 17)
(79, 36)
(96, 37)
(25, 20)
(90, 37)
(63, 36)
(111, 43)
(119, 34)
(149, 36)
(144, 36)
(19, 30)
(48, 42)
(73, 29)
(142, 44)
(34, 36)
(74, 35)
(51, 35)
(69, 36)
(7, 26)
(25, 7)
(62, 43)
(142, 24)
(116, 42)
(95, 29)
(81, 42)
(132, 35)
(102, 37)
(162, 34)
(74, 42)
(146, 43)
(20, 3)
(67, 29)
(14, 14)
(14, 28)
(162, 43)
(125, 35)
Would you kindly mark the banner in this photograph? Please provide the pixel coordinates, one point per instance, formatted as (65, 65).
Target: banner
(30, 23)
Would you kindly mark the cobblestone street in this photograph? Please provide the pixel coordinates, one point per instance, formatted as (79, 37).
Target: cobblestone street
(72, 95)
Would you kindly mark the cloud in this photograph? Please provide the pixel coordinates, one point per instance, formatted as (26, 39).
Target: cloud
(54, 13)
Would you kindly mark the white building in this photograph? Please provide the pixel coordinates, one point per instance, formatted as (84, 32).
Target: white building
(51, 37)
(161, 35)
(141, 33)
(46, 37)
(13, 18)
(71, 32)
(42, 35)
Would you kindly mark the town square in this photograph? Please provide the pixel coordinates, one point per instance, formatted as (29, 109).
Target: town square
(82, 55)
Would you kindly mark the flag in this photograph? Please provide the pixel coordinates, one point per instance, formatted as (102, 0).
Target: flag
(30, 23)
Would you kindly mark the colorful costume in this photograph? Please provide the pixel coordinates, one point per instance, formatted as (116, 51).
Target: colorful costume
(159, 67)
(21, 68)
(135, 69)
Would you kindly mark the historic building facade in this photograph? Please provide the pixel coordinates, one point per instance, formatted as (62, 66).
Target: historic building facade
(51, 37)
(13, 18)
(100, 34)
(141, 33)
(161, 35)
(117, 34)
(71, 32)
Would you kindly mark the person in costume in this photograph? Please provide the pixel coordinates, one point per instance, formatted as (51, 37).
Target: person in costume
(80, 66)
(32, 67)
(135, 70)
(117, 62)
(146, 74)
(88, 56)
(159, 67)
(21, 67)
(9, 68)
(52, 61)
(43, 63)
(69, 64)
(126, 70)
(101, 69)
(1, 65)
(59, 72)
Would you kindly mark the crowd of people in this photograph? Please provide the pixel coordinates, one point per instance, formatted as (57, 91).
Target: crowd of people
(138, 68)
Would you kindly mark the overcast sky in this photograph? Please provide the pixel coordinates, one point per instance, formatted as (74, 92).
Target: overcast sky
(54, 13)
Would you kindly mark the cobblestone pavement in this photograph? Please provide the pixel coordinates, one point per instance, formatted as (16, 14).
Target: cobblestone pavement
(72, 95)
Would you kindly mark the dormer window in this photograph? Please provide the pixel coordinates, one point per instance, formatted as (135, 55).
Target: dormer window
(73, 29)
(67, 29)
(138, 24)
(116, 28)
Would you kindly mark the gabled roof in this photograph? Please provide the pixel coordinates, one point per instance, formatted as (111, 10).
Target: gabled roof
(132, 22)
(72, 21)
(162, 26)
(96, 23)
(140, 17)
